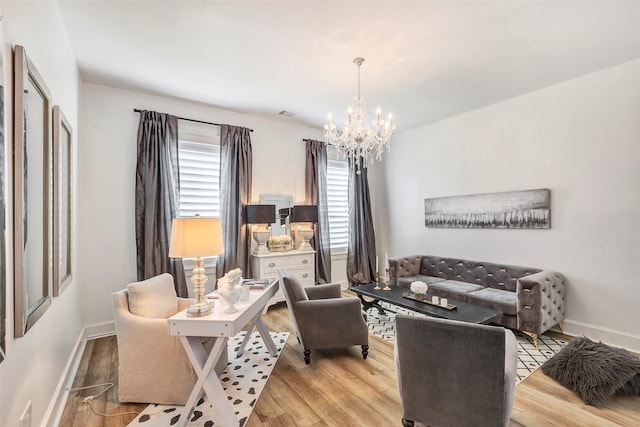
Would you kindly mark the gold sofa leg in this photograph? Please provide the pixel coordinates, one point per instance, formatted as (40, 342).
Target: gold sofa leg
(560, 327)
(534, 337)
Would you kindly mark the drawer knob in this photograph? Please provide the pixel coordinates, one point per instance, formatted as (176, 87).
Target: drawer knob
(305, 261)
(305, 275)
(272, 264)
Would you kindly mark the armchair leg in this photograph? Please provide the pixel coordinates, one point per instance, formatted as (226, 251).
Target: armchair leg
(407, 423)
(560, 327)
(307, 356)
(365, 351)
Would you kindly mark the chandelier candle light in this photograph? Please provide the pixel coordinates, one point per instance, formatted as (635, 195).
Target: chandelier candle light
(357, 141)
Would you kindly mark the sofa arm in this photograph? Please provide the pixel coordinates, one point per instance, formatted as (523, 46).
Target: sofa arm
(540, 301)
(404, 267)
(184, 303)
(331, 290)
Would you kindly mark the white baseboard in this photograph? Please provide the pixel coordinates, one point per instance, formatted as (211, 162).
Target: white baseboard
(98, 330)
(598, 333)
(58, 401)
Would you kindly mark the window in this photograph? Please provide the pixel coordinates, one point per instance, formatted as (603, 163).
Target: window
(338, 204)
(199, 179)
(199, 162)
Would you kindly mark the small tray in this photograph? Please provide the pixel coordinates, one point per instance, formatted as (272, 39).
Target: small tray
(427, 300)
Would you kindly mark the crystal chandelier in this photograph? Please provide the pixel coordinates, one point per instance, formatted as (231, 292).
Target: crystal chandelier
(357, 141)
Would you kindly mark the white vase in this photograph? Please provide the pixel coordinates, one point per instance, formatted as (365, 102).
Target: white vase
(230, 296)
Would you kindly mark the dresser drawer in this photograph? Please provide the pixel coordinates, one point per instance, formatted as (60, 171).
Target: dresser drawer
(301, 265)
(301, 274)
(288, 263)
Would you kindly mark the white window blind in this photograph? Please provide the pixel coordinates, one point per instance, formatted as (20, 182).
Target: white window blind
(338, 203)
(199, 179)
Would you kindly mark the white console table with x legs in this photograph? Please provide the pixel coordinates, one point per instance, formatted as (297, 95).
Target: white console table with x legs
(219, 326)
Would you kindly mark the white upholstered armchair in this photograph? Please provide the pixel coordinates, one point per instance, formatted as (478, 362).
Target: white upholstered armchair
(153, 366)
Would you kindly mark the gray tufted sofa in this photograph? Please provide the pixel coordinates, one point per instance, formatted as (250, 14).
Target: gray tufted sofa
(531, 300)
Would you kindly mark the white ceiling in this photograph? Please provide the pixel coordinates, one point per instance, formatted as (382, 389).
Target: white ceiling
(424, 61)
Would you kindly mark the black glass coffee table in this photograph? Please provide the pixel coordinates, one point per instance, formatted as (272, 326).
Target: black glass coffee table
(463, 312)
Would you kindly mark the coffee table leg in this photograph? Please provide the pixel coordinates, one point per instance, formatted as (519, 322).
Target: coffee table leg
(366, 305)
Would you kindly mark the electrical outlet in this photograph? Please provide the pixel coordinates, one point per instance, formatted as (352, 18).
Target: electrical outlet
(25, 419)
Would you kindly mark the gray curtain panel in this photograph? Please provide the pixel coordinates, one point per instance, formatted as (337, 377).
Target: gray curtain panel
(316, 194)
(157, 197)
(361, 255)
(236, 163)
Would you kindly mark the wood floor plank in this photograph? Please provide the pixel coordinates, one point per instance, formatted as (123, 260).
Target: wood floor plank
(340, 389)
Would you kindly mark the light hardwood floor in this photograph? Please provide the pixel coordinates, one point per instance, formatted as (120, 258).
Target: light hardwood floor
(339, 389)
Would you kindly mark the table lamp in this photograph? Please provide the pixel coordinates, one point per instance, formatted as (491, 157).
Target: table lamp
(262, 216)
(196, 238)
(304, 216)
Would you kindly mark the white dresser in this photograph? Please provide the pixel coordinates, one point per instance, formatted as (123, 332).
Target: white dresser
(300, 264)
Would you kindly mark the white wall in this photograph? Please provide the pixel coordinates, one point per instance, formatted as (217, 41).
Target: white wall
(35, 363)
(106, 168)
(581, 139)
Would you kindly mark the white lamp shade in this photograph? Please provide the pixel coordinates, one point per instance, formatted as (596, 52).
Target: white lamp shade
(195, 237)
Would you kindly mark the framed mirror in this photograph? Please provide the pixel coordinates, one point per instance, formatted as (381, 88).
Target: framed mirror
(62, 135)
(281, 201)
(3, 210)
(32, 200)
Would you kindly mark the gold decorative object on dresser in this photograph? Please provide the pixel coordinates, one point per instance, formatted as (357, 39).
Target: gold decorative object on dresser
(301, 264)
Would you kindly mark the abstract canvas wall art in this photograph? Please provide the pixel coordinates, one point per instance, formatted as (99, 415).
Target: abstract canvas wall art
(515, 209)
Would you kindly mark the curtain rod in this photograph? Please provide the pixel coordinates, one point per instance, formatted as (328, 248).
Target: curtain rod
(191, 120)
(309, 140)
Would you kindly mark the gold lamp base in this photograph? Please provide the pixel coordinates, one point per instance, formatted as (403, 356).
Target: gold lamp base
(199, 308)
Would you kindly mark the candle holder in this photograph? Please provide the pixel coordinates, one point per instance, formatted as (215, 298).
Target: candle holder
(386, 280)
(377, 286)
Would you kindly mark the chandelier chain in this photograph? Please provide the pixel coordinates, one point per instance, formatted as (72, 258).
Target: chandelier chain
(359, 62)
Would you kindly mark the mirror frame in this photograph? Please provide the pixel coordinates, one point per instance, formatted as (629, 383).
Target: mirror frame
(62, 184)
(3, 208)
(24, 315)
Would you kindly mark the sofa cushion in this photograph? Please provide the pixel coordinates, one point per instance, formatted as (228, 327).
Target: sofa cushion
(453, 289)
(405, 282)
(497, 299)
(153, 298)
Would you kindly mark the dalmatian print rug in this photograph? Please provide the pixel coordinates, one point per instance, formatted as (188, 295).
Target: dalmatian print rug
(243, 380)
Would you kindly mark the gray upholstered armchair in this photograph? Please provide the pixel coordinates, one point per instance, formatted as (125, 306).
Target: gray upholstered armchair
(315, 312)
(454, 373)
